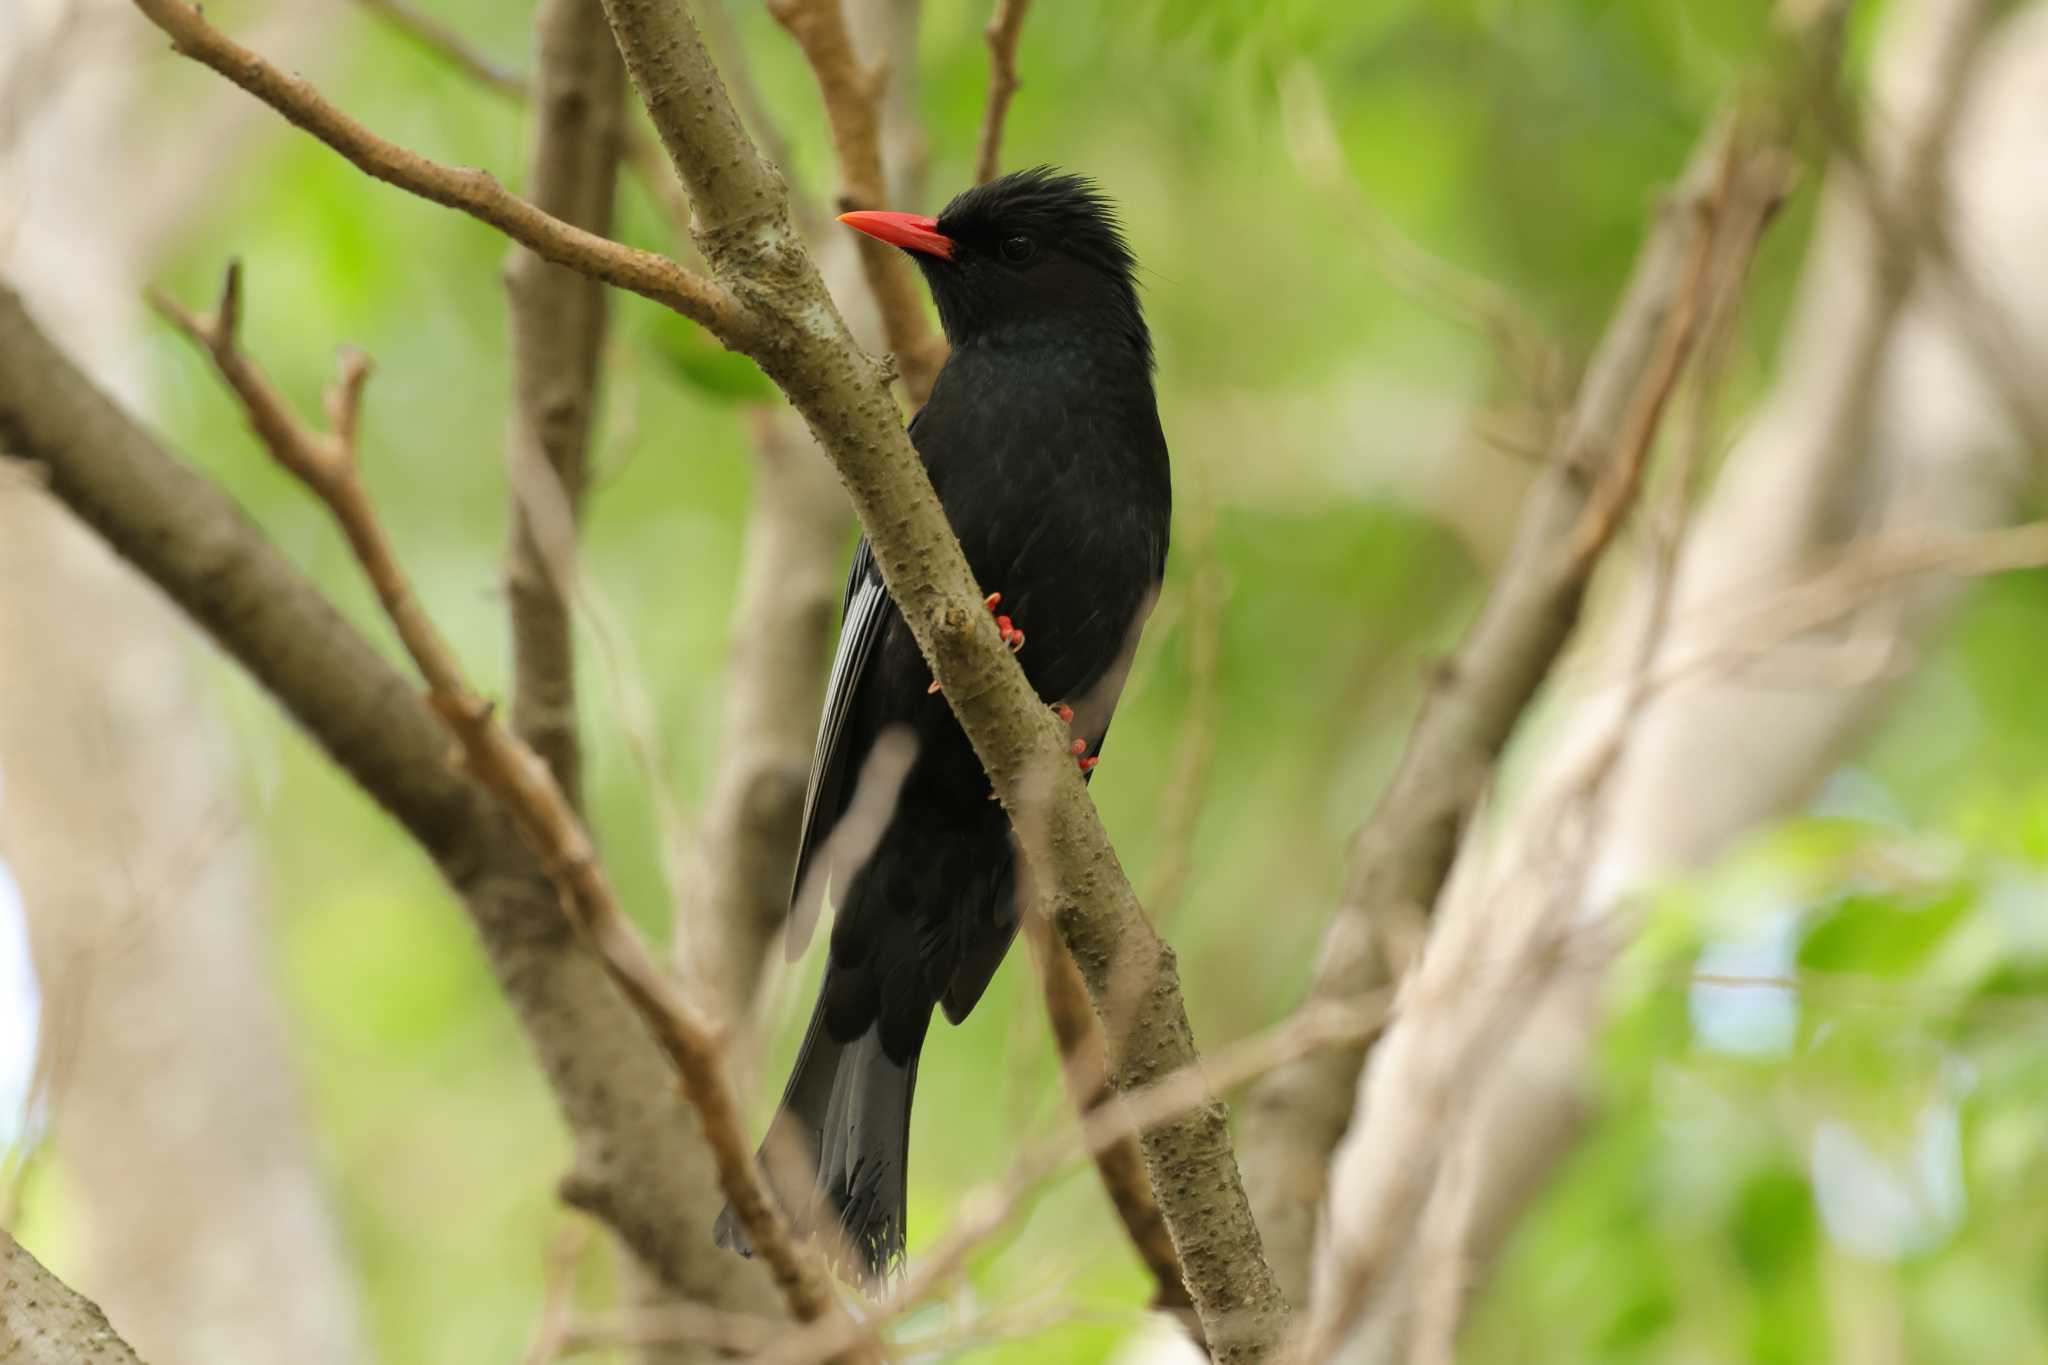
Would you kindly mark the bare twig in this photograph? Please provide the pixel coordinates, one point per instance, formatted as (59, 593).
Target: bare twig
(557, 321)
(558, 1301)
(1528, 352)
(445, 41)
(1078, 1038)
(986, 1212)
(327, 463)
(636, 148)
(1005, 27)
(792, 567)
(1401, 857)
(853, 92)
(1908, 201)
(1920, 192)
(470, 191)
(747, 234)
(638, 1163)
(1187, 785)
(788, 324)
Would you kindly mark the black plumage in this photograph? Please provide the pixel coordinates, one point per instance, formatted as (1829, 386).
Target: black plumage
(1042, 439)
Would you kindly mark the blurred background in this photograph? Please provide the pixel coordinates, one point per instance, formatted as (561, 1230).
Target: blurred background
(1822, 1134)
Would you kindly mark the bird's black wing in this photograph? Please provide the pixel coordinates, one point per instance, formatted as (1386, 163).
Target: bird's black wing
(840, 750)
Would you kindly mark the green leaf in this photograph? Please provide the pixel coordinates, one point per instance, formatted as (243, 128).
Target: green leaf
(1880, 935)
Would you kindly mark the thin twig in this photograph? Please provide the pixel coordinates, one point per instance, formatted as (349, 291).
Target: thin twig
(1186, 791)
(1526, 350)
(985, 1212)
(1401, 857)
(328, 464)
(1005, 27)
(557, 322)
(636, 149)
(1078, 1037)
(445, 41)
(852, 91)
(470, 191)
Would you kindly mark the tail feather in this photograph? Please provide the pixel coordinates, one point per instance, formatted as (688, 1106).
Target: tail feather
(846, 1113)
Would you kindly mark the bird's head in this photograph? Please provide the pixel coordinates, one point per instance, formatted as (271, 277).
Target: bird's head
(1033, 253)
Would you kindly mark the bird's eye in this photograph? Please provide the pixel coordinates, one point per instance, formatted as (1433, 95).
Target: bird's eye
(1018, 249)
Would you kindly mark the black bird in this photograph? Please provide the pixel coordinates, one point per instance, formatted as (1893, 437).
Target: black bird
(1042, 438)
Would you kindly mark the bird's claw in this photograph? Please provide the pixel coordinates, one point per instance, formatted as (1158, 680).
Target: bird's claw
(1012, 636)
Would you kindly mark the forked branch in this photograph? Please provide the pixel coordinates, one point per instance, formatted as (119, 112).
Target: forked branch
(470, 191)
(328, 464)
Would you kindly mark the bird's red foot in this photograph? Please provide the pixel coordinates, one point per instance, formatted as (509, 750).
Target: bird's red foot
(1012, 636)
(1080, 746)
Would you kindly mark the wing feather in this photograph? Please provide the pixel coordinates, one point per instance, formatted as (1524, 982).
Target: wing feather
(835, 761)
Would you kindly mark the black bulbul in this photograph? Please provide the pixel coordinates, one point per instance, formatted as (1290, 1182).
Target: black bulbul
(1042, 439)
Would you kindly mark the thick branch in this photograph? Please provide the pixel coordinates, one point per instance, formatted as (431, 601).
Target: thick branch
(786, 321)
(640, 1159)
(43, 1321)
(1400, 859)
(558, 326)
(853, 93)
(471, 191)
(747, 236)
(327, 463)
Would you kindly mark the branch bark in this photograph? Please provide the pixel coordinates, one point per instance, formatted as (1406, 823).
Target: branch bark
(557, 321)
(1005, 27)
(853, 92)
(473, 192)
(751, 244)
(792, 567)
(43, 1321)
(1737, 737)
(1118, 1162)
(1401, 857)
(328, 464)
(769, 302)
(640, 1161)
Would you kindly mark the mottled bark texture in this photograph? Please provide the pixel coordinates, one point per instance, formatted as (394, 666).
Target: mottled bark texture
(1401, 857)
(558, 329)
(44, 1322)
(640, 1160)
(751, 246)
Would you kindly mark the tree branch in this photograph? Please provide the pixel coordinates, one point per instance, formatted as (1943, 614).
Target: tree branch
(1118, 1162)
(44, 1321)
(328, 464)
(1399, 860)
(853, 93)
(792, 567)
(747, 236)
(443, 40)
(557, 323)
(472, 192)
(1005, 27)
(771, 303)
(640, 1159)
(637, 150)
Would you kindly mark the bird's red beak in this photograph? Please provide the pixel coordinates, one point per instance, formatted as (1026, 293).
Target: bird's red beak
(911, 231)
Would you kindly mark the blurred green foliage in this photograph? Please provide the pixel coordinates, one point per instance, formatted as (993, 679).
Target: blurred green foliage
(1319, 415)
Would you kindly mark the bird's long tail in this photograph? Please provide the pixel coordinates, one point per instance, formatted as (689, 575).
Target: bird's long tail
(838, 1149)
